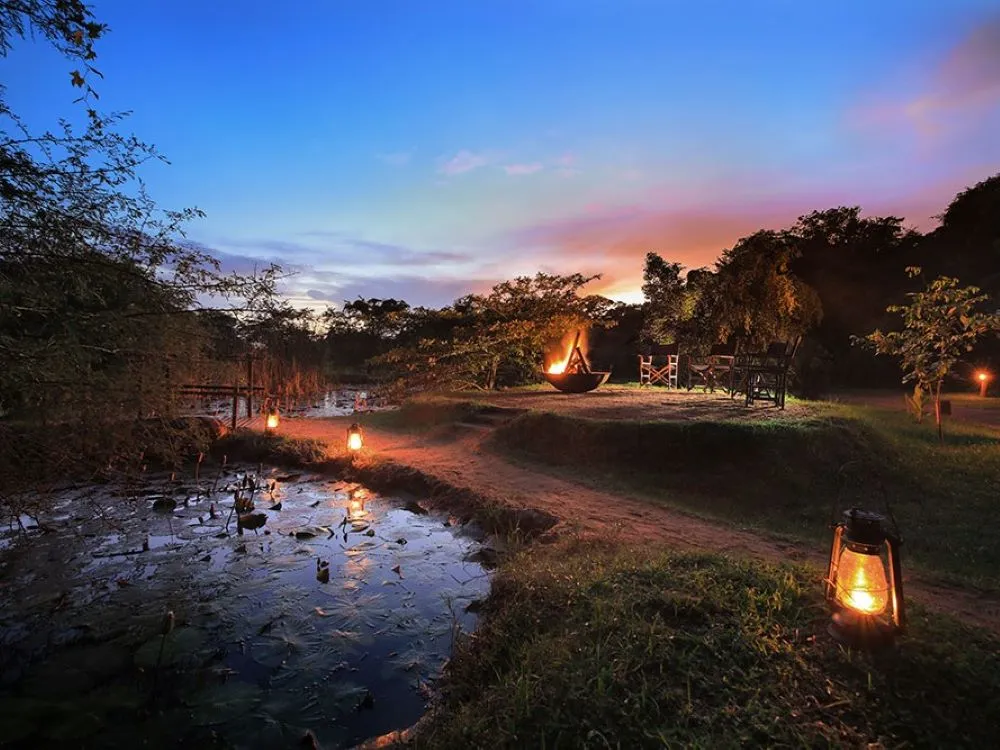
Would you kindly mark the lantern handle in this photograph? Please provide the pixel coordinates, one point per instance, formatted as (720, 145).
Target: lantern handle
(896, 533)
(882, 491)
(836, 505)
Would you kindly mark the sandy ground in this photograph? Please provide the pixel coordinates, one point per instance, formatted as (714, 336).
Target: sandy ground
(457, 456)
(650, 403)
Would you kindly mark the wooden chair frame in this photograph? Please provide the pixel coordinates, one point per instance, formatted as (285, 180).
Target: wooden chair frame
(715, 370)
(651, 373)
(764, 375)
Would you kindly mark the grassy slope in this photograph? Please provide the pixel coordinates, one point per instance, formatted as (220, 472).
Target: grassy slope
(787, 475)
(585, 645)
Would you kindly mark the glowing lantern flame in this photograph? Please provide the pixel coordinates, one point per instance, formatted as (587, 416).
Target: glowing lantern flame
(861, 582)
(983, 376)
(272, 420)
(354, 439)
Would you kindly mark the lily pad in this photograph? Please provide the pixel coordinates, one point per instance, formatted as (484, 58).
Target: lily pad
(182, 646)
(55, 680)
(20, 718)
(164, 504)
(71, 724)
(221, 703)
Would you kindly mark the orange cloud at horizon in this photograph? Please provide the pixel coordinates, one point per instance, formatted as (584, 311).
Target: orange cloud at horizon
(615, 242)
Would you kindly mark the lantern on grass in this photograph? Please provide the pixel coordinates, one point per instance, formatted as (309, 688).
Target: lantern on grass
(271, 421)
(354, 439)
(865, 581)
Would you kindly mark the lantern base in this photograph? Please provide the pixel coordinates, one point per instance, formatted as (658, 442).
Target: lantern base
(861, 631)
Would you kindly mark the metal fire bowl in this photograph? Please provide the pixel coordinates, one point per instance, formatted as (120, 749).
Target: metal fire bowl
(577, 382)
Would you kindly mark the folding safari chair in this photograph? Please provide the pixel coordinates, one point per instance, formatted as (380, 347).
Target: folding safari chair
(658, 364)
(715, 370)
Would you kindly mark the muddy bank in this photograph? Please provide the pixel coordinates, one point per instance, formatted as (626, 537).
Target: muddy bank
(423, 490)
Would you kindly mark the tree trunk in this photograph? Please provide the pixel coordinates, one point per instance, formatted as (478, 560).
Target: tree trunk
(494, 365)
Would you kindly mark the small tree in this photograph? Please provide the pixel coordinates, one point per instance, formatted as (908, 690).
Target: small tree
(940, 325)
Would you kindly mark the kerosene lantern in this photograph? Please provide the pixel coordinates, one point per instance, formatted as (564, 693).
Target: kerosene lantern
(865, 581)
(355, 441)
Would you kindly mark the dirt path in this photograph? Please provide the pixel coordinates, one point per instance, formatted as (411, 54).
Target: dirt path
(459, 458)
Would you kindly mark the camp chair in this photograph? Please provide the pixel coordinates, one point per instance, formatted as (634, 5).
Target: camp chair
(714, 370)
(658, 364)
(764, 375)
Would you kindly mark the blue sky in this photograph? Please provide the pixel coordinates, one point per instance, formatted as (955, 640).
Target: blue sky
(424, 149)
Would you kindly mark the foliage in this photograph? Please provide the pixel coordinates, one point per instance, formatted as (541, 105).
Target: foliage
(752, 295)
(364, 328)
(485, 341)
(102, 303)
(668, 301)
(589, 644)
(755, 294)
(940, 325)
(853, 264)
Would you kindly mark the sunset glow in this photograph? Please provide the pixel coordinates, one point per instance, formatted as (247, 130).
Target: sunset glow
(407, 152)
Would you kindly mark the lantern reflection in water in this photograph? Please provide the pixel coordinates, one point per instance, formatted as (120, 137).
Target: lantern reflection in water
(356, 504)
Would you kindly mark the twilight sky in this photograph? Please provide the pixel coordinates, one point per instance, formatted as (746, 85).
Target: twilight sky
(423, 149)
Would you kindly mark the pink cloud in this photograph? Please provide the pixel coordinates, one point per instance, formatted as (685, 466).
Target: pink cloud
(960, 89)
(464, 161)
(521, 169)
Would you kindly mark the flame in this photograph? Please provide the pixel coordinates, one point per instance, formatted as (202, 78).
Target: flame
(559, 360)
(861, 582)
(983, 376)
(354, 441)
(272, 420)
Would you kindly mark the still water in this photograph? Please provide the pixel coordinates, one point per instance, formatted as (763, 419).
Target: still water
(314, 621)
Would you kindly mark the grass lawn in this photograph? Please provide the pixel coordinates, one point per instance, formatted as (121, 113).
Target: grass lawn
(787, 476)
(587, 645)
(784, 475)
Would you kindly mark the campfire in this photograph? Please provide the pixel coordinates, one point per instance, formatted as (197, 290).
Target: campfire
(570, 372)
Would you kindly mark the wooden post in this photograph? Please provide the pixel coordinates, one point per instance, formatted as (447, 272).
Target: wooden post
(250, 385)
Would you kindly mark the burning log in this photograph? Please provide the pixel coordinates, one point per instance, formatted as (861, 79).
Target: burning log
(573, 374)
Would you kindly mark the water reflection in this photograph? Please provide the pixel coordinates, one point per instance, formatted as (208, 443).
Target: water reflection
(265, 647)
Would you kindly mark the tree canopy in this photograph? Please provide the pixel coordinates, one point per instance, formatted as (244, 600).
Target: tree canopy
(103, 305)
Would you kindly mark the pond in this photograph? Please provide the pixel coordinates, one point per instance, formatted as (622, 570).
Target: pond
(313, 621)
(335, 403)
